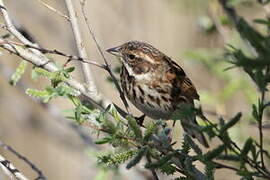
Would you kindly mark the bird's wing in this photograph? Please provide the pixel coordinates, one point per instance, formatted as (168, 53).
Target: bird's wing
(182, 84)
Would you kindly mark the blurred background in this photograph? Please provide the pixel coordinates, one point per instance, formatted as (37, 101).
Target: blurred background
(192, 32)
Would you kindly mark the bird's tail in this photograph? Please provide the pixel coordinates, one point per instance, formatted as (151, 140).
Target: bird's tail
(188, 124)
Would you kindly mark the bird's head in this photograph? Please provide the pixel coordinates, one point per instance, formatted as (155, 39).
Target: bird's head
(137, 57)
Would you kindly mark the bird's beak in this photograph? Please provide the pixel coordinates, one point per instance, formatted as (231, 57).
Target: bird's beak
(114, 51)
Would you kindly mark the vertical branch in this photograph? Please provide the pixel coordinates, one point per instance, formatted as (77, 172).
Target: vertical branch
(122, 96)
(87, 74)
(261, 109)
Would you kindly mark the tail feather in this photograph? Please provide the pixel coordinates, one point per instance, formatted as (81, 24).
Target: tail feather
(187, 124)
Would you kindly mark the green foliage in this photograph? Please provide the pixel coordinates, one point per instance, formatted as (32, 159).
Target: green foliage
(152, 144)
(230, 124)
(214, 153)
(192, 144)
(55, 77)
(115, 159)
(51, 92)
(57, 88)
(16, 76)
(209, 171)
(142, 152)
(162, 161)
(134, 127)
(167, 169)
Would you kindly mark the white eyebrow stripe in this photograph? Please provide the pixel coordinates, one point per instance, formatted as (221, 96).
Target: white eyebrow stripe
(147, 58)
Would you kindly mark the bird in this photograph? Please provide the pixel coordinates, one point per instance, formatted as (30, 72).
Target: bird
(155, 84)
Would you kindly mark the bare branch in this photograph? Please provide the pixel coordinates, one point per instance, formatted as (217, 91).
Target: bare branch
(57, 52)
(54, 10)
(10, 170)
(122, 96)
(15, 171)
(87, 74)
(11, 28)
(37, 58)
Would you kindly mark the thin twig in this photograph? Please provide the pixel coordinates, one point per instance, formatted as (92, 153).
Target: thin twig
(155, 176)
(54, 10)
(122, 96)
(35, 57)
(24, 159)
(12, 29)
(57, 52)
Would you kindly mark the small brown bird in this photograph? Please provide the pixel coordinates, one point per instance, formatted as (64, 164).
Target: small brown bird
(155, 84)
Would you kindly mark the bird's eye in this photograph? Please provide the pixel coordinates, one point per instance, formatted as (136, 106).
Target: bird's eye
(131, 56)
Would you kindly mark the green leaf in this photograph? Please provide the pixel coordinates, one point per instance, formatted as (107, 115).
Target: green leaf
(255, 112)
(215, 152)
(113, 160)
(103, 140)
(69, 69)
(150, 129)
(185, 146)
(45, 95)
(16, 76)
(167, 169)
(252, 36)
(78, 113)
(39, 72)
(262, 21)
(231, 123)
(138, 157)
(191, 143)
(134, 127)
(247, 147)
(164, 159)
(229, 157)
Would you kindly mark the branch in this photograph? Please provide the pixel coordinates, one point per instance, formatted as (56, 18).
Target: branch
(87, 74)
(35, 57)
(60, 53)
(12, 29)
(122, 96)
(10, 170)
(13, 170)
(54, 10)
(231, 12)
